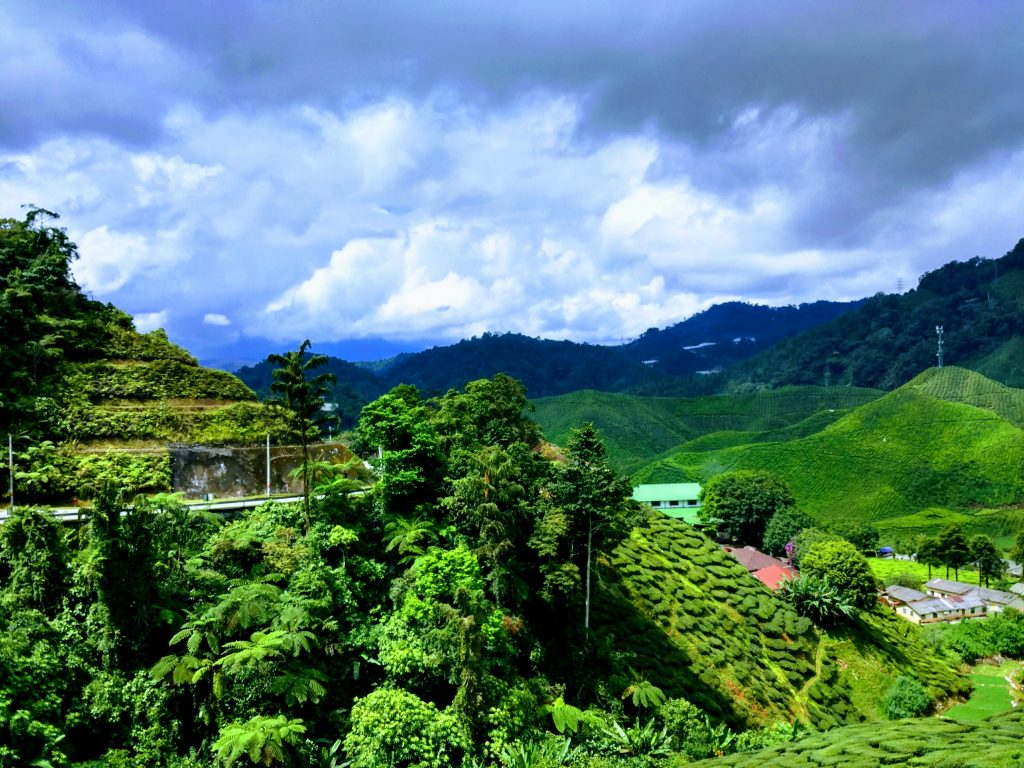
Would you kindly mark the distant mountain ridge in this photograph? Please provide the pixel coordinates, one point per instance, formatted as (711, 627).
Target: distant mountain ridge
(727, 333)
(717, 337)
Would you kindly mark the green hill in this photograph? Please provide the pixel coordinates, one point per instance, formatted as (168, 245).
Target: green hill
(889, 339)
(947, 445)
(77, 379)
(637, 429)
(925, 742)
(692, 617)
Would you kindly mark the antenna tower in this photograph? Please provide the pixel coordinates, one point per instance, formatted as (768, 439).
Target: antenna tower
(938, 354)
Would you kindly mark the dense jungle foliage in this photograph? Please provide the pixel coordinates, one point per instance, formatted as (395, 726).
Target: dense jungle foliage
(490, 602)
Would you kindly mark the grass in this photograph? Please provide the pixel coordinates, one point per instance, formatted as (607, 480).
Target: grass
(991, 692)
(887, 570)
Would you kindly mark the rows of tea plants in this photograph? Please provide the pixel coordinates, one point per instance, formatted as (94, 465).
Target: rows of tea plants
(691, 617)
(925, 742)
(905, 452)
(959, 385)
(638, 428)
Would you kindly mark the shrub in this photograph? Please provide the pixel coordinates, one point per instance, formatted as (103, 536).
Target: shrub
(905, 698)
(817, 599)
(846, 568)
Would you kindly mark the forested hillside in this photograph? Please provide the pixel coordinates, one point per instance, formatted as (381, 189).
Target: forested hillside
(657, 363)
(76, 379)
(489, 602)
(946, 447)
(891, 338)
(726, 333)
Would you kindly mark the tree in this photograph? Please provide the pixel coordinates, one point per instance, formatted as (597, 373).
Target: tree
(864, 537)
(929, 552)
(986, 555)
(32, 546)
(956, 550)
(395, 429)
(594, 501)
(845, 567)
(809, 537)
(906, 697)
(1017, 553)
(784, 527)
(743, 502)
(303, 397)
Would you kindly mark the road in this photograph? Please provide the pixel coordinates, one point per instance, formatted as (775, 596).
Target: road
(72, 514)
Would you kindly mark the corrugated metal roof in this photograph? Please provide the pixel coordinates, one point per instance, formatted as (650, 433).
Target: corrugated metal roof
(944, 605)
(951, 587)
(996, 596)
(904, 594)
(666, 492)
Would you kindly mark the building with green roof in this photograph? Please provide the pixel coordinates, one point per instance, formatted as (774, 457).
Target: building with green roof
(679, 500)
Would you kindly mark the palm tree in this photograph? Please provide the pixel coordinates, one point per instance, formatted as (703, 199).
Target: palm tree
(303, 397)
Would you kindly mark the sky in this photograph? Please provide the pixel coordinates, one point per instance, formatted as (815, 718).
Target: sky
(385, 175)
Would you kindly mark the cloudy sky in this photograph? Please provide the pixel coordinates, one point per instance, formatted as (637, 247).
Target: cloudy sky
(425, 171)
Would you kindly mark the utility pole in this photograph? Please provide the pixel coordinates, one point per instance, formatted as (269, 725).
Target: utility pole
(268, 464)
(938, 332)
(10, 465)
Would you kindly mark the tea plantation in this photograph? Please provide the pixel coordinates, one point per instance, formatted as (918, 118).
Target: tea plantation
(703, 628)
(921, 742)
(950, 441)
(636, 429)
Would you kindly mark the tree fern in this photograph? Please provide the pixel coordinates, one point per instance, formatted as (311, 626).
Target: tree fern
(264, 740)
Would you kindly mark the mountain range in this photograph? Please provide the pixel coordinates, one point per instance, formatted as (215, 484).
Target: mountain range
(880, 342)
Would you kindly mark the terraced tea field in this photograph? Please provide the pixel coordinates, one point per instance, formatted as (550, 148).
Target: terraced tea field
(947, 446)
(919, 743)
(702, 627)
(638, 429)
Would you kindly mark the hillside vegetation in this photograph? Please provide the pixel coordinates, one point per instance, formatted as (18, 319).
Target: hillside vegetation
(918, 743)
(891, 338)
(703, 627)
(638, 429)
(946, 446)
(78, 380)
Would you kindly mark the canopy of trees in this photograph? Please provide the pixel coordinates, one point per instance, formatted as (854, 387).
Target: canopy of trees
(742, 503)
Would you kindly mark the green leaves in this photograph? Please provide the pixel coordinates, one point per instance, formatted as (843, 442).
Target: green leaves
(263, 740)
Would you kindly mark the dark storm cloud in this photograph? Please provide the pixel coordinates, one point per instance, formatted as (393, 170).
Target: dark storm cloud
(923, 89)
(579, 169)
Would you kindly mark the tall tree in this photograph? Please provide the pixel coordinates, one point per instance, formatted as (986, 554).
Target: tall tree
(743, 502)
(929, 552)
(302, 396)
(985, 553)
(1017, 554)
(596, 502)
(956, 550)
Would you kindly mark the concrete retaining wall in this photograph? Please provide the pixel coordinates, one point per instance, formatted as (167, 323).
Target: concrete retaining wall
(200, 470)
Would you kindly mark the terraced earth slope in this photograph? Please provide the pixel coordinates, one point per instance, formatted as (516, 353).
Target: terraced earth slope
(947, 446)
(637, 429)
(701, 627)
(111, 419)
(919, 743)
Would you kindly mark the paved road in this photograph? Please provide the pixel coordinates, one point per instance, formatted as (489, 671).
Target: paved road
(71, 514)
